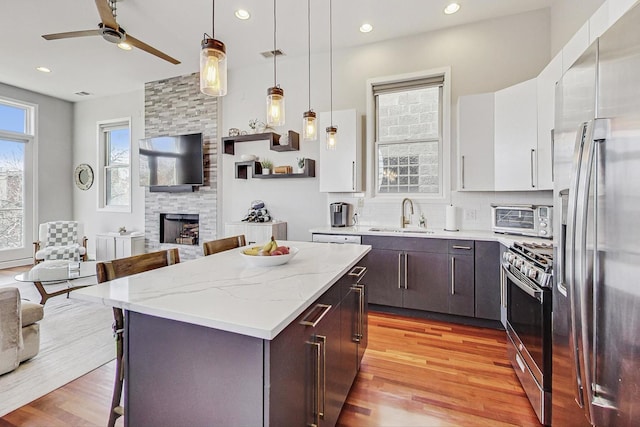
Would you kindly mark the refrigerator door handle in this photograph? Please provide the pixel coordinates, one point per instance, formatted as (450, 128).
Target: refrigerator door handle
(601, 405)
(569, 259)
(597, 131)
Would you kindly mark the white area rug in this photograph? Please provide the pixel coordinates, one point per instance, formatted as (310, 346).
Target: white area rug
(75, 338)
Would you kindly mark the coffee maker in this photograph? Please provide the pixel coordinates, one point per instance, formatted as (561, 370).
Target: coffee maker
(341, 214)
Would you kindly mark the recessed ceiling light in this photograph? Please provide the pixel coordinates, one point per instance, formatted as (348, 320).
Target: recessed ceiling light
(124, 46)
(243, 14)
(452, 8)
(365, 28)
(43, 69)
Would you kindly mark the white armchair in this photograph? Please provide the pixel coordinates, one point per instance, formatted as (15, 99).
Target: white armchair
(60, 240)
(19, 329)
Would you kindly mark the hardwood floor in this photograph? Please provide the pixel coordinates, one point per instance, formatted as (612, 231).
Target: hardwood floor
(415, 373)
(427, 373)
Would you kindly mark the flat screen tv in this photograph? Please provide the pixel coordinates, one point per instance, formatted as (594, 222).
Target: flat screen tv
(171, 163)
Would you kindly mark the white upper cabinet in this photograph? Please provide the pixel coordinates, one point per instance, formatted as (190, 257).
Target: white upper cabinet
(341, 169)
(475, 142)
(575, 47)
(546, 109)
(516, 137)
(617, 8)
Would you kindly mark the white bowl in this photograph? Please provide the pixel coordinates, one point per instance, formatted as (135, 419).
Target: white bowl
(268, 261)
(247, 157)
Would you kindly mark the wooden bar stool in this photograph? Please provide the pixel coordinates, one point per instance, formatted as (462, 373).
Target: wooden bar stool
(115, 269)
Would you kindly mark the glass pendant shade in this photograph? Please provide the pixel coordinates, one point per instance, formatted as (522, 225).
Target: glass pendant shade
(275, 106)
(332, 137)
(213, 68)
(309, 126)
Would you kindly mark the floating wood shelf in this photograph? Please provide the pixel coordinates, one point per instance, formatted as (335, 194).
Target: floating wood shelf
(229, 142)
(242, 171)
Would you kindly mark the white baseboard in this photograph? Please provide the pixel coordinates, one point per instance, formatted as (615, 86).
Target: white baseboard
(16, 263)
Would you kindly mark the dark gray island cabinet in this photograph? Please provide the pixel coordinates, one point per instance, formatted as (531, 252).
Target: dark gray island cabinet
(450, 276)
(218, 341)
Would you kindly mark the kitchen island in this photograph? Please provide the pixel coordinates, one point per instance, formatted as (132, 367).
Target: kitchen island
(216, 341)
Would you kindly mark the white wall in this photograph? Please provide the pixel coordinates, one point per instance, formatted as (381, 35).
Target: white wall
(55, 159)
(483, 57)
(85, 145)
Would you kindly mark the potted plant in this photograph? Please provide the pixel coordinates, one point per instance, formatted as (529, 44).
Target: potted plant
(267, 165)
(301, 165)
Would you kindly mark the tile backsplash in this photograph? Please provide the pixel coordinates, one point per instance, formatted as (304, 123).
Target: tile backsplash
(473, 208)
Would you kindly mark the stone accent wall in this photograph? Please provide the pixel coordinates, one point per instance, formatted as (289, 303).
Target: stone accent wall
(172, 107)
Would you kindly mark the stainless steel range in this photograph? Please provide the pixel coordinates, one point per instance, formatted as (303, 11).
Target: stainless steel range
(527, 277)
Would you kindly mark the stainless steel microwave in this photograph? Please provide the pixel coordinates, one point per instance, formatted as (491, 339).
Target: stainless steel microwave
(524, 220)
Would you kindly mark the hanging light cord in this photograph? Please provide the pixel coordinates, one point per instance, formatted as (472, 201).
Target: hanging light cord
(309, 46)
(331, 60)
(275, 78)
(213, 18)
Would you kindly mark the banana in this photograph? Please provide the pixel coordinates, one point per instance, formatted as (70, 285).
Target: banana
(252, 251)
(270, 246)
(267, 246)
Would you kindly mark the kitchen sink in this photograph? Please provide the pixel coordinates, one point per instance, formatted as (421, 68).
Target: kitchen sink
(399, 230)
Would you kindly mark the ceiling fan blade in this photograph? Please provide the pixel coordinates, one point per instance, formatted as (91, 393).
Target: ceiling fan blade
(106, 14)
(142, 45)
(71, 34)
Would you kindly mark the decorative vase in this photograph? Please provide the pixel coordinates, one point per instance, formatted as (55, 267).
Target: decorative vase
(266, 171)
(300, 170)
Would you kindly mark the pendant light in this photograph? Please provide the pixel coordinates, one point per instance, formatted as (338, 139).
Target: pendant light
(213, 63)
(275, 94)
(309, 125)
(332, 131)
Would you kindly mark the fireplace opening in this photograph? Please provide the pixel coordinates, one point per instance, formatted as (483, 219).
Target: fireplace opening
(181, 229)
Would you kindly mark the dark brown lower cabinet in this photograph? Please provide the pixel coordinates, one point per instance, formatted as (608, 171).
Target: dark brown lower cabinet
(459, 277)
(183, 374)
(487, 276)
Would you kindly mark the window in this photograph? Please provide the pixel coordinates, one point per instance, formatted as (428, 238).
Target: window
(114, 159)
(17, 124)
(409, 147)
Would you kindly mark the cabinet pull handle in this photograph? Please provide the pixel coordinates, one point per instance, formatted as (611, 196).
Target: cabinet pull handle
(400, 270)
(323, 340)
(358, 333)
(533, 153)
(406, 270)
(316, 388)
(466, 248)
(353, 175)
(313, 324)
(362, 310)
(453, 275)
(358, 272)
(463, 172)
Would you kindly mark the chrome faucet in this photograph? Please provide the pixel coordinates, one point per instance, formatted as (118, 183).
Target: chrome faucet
(404, 220)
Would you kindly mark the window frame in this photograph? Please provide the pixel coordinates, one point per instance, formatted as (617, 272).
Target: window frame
(103, 127)
(11, 257)
(444, 152)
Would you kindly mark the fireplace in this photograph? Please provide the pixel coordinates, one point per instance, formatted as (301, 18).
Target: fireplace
(181, 229)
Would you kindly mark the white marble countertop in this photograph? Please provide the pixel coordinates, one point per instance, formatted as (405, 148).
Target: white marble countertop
(224, 292)
(505, 239)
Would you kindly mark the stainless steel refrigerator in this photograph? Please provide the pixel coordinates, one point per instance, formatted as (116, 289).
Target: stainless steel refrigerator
(596, 293)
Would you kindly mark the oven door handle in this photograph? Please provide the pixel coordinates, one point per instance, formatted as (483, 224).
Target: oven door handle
(535, 293)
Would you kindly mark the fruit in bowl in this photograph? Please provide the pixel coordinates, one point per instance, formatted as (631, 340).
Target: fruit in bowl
(268, 254)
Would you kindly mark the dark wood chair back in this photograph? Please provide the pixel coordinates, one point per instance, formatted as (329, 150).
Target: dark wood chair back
(115, 269)
(215, 246)
(121, 267)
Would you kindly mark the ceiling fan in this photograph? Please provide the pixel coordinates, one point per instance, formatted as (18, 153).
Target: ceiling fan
(111, 31)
